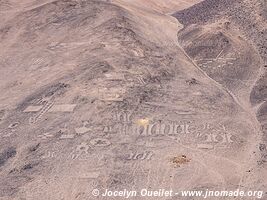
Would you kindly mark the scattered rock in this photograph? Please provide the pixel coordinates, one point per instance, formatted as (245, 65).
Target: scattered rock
(192, 81)
(34, 148)
(180, 160)
(6, 155)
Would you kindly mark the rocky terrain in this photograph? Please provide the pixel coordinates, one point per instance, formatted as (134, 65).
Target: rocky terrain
(133, 94)
(228, 41)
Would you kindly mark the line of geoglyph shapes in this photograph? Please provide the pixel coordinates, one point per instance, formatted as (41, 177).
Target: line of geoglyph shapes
(221, 61)
(175, 129)
(144, 126)
(147, 155)
(205, 138)
(212, 138)
(218, 57)
(124, 124)
(81, 151)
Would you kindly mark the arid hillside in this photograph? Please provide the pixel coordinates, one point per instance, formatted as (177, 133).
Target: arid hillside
(228, 41)
(130, 94)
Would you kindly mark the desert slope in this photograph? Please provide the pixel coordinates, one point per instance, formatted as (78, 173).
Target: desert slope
(228, 41)
(100, 94)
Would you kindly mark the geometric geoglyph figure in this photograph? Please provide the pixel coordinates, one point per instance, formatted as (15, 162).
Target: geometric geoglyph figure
(49, 106)
(54, 108)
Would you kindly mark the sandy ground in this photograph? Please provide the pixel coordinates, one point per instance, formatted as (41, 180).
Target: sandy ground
(106, 95)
